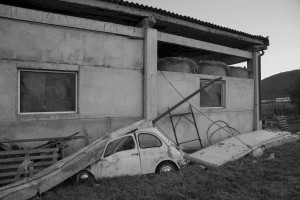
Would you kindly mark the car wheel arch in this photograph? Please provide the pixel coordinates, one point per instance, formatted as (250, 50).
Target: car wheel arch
(164, 162)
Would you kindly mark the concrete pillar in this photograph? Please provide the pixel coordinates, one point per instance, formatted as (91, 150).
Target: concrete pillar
(150, 73)
(253, 66)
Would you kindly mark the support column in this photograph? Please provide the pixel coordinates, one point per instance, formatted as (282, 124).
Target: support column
(150, 73)
(254, 66)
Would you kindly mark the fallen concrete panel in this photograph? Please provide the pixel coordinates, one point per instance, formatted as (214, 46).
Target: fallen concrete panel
(236, 147)
(63, 169)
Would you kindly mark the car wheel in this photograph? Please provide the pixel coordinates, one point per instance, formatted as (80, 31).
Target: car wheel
(166, 167)
(84, 176)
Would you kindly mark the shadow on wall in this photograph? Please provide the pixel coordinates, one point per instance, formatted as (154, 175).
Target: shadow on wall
(208, 67)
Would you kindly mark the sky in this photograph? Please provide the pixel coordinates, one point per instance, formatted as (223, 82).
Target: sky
(277, 19)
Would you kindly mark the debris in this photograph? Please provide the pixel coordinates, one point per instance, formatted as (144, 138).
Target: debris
(258, 152)
(63, 169)
(202, 167)
(271, 157)
(235, 147)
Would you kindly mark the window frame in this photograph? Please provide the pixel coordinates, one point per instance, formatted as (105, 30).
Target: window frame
(47, 71)
(138, 140)
(135, 145)
(223, 94)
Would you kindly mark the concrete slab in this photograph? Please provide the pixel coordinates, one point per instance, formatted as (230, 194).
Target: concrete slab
(236, 147)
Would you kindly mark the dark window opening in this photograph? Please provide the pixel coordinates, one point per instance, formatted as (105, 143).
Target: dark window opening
(212, 96)
(47, 92)
(122, 144)
(148, 141)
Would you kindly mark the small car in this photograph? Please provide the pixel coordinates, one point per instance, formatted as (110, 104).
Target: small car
(144, 151)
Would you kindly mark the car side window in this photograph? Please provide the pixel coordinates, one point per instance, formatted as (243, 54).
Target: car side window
(121, 144)
(148, 141)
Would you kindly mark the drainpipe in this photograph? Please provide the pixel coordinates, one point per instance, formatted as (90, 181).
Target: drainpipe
(259, 79)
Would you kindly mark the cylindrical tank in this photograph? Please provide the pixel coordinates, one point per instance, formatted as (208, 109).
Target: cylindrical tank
(177, 64)
(238, 72)
(212, 68)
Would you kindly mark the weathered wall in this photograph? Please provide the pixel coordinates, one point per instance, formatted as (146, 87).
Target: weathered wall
(238, 110)
(109, 69)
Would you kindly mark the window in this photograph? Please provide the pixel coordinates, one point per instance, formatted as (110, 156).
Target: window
(47, 91)
(148, 141)
(122, 144)
(213, 95)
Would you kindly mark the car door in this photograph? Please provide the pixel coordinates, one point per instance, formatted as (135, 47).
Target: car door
(152, 151)
(121, 157)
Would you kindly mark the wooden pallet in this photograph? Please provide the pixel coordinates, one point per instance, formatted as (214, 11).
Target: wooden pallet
(282, 123)
(18, 164)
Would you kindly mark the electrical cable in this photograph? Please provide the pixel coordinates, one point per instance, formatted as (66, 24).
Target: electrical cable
(213, 122)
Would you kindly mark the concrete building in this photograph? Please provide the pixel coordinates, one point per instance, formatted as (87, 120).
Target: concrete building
(91, 66)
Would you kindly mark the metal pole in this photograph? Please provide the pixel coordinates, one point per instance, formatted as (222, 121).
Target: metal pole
(174, 128)
(185, 99)
(195, 123)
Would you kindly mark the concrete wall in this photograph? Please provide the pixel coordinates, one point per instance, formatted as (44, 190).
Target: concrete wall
(238, 110)
(110, 80)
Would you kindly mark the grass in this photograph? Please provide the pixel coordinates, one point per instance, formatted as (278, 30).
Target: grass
(246, 178)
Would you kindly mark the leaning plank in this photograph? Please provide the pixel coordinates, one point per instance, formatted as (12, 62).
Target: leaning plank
(14, 152)
(63, 169)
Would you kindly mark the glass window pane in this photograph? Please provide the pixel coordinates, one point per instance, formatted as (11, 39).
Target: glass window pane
(122, 144)
(149, 141)
(47, 92)
(211, 96)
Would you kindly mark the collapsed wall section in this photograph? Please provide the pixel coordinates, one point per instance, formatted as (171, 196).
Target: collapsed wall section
(236, 109)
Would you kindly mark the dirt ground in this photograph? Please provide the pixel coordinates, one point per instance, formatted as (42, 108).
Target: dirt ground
(246, 178)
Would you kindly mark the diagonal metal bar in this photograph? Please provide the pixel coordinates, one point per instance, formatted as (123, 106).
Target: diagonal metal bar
(184, 100)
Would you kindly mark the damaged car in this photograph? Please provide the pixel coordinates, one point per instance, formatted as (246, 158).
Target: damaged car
(144, 151)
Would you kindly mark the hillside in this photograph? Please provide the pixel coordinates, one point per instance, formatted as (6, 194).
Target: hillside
(275, 86)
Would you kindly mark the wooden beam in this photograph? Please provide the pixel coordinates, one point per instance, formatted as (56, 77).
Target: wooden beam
(173, 39)
(35, 16)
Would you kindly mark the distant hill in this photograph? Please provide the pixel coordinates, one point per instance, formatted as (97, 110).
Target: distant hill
(275, 86)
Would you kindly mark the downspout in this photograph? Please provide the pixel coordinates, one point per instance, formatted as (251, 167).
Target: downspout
(259, 83)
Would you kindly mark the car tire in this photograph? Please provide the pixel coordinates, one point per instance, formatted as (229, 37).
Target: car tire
(166, 167)
(84, 176)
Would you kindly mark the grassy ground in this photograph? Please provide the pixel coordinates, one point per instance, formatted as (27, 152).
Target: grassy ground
(247, 178)
(294, 124)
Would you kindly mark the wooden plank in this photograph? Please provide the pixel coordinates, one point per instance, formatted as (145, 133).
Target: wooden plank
(30, 151)
(41, 139)
(65, 168)
(45, 163)
(5, 160)
(4, 174)
(68, 21)
(9, 166)
(173, 39)
(5, 181)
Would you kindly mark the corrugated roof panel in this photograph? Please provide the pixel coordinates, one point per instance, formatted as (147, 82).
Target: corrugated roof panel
(183, 17)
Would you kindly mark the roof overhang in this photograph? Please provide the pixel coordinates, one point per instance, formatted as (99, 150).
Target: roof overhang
(131, 14)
